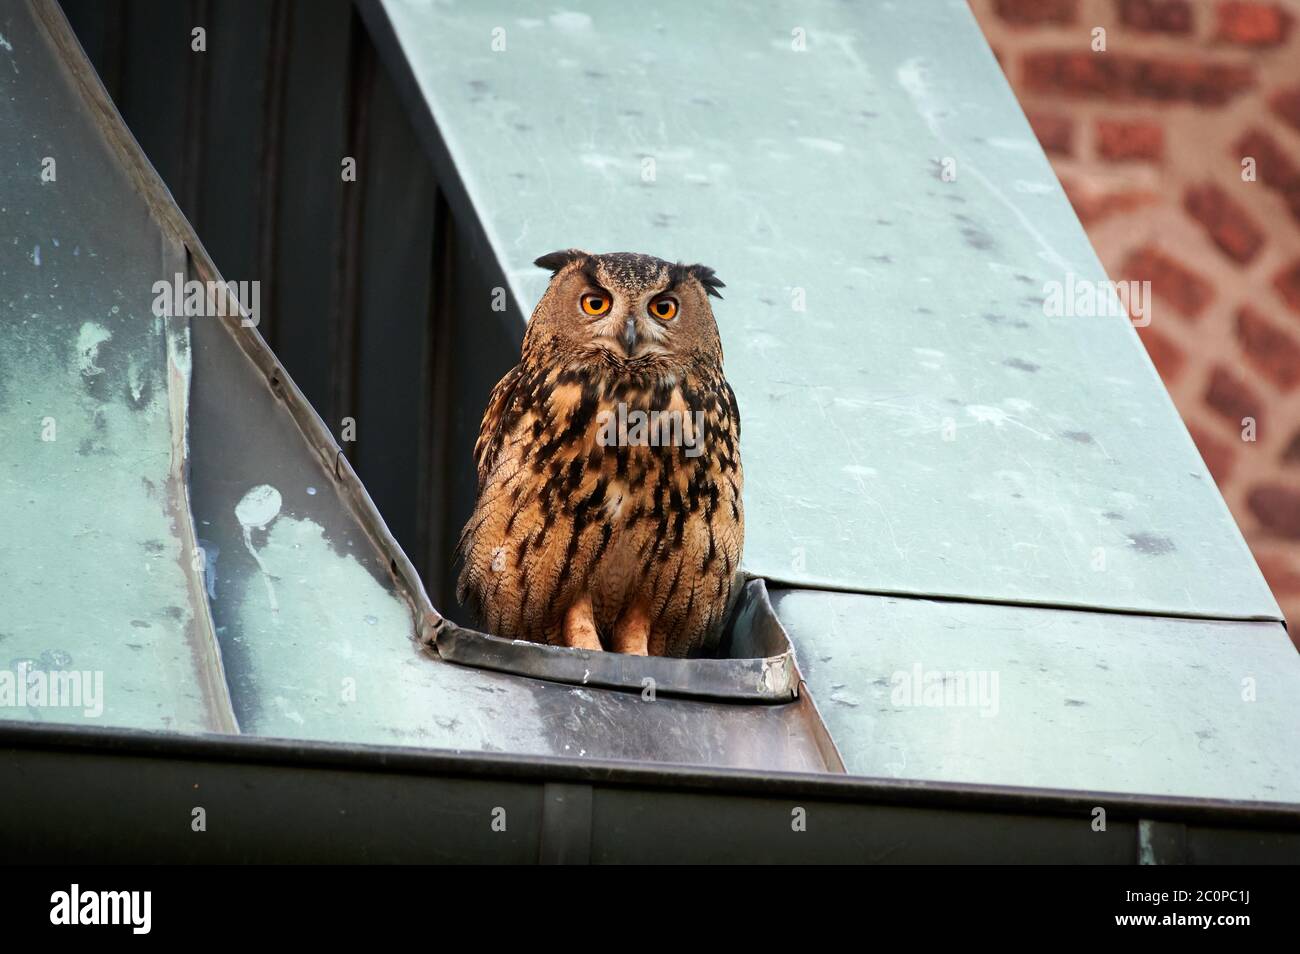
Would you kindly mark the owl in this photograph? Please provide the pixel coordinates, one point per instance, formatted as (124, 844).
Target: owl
(609, 510)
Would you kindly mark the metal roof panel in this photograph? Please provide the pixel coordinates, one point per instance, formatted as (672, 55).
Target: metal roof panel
(913, 420)
(1045, 698)
(98, 577)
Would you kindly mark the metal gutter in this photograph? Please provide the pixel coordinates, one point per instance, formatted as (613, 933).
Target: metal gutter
(748, 673)
(270, 799)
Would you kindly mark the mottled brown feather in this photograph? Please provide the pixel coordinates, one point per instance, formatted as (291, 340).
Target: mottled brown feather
(559, 515)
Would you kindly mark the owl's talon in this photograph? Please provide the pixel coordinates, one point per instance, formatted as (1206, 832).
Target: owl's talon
(632, 631)
(580, 625)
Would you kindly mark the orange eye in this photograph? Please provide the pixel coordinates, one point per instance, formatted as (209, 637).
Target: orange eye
(595, 304)
(665, 309)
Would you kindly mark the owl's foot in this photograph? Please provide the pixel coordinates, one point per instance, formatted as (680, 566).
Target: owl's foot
(580, 625)
(632, 631)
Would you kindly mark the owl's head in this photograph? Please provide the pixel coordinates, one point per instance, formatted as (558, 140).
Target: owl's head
(634, 310)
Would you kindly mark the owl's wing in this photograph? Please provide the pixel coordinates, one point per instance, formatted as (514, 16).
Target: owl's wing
(502, 409)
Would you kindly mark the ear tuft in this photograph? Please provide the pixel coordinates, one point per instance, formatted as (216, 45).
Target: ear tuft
(554, 261)
(706, 277)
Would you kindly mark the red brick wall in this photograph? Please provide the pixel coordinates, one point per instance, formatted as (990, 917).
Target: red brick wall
(1148, 138)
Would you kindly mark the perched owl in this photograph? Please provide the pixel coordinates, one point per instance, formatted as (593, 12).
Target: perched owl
(609, 479)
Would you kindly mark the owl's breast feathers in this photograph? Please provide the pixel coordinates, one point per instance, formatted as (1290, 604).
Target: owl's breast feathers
(625, 485)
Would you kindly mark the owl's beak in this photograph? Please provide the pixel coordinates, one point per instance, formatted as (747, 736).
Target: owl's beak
(629, 336)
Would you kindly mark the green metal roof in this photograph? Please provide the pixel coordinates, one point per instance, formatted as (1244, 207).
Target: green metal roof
(97, 537)
(817, 173)
(1042, 698)
(193, 533)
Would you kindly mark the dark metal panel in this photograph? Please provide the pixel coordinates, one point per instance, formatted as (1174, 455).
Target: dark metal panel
(1208, 845)
(188, 190)
(268, 184)
(1162, 843)
(482, 347)
(84, 796)
(98, 25)
(432, 515)
(123, 809)
(396, 263)
(156, 42)
(345, 317)
(686, 829)
(312, 145)
(566, 824)
(234, 127)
